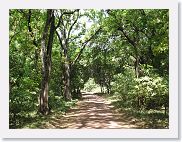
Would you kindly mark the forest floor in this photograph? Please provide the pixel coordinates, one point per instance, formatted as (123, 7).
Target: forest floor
(93, 111)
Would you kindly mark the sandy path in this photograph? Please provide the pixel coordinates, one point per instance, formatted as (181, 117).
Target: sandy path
(92, 112)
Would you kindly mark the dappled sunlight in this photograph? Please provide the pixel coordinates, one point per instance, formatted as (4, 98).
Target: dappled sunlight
(93, 112)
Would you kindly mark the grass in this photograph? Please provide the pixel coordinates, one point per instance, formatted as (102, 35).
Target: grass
(35, 120)
(154, 119)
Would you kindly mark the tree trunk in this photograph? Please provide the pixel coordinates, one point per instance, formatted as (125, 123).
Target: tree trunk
(137, 67)
(36, 60)
(61, 78)
(108, 86)
(67, 92)
(108, 90)
(46, 50)
(67, 72)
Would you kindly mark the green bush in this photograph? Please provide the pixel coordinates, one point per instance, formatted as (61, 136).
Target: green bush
(122, 84)
(147, 92)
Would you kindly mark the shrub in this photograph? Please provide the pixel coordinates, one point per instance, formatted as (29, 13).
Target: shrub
(147, 92)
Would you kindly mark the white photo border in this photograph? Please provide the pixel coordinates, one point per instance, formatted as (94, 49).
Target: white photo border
(172, 132)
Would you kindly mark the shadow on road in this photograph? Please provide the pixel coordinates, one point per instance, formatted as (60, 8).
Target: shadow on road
(94, 112)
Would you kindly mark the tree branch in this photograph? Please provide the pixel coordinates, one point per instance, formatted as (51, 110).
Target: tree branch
(60, 39)
(120, 28)
(51, 34)
(28, 18)
(45, 31)
(71, 27)
(84, 45)
(21, 11)
(126, 36)
(11, 38)
(30, 28)
(61, 16)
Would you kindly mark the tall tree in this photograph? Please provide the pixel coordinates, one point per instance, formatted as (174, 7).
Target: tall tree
(46, 50)
(67, 24)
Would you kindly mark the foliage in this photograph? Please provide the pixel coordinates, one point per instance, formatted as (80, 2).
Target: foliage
(90, 85)
(152, 91)
(123, 53)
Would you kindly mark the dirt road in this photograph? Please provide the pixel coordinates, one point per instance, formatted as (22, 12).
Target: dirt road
(92, 112)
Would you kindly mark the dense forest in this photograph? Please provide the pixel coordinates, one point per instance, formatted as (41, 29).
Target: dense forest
(57, 56)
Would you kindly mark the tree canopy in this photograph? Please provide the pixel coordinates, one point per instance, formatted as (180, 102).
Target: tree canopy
(56, 54)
